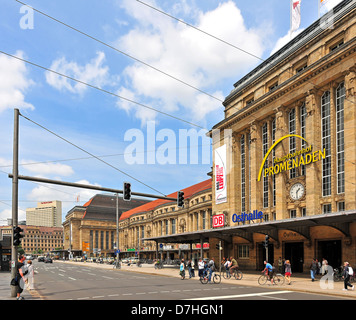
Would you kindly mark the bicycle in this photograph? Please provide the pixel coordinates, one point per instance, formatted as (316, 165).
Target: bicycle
(237, 274)
(337, 275)
(214, 277)
(278, 279)
(226, 274)
(139, 263)
(159, 265)
(117, 265)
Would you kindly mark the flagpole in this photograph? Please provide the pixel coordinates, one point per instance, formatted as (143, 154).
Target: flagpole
(318, 9)
(290, 23)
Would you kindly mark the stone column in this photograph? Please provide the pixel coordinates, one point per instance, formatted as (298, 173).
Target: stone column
(313, 136)
(350, 139)
(280, 150)
(256, 161)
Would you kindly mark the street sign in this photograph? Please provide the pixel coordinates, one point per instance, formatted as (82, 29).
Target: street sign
(219, 221)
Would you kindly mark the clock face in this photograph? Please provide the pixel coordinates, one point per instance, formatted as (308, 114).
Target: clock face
(296, 191)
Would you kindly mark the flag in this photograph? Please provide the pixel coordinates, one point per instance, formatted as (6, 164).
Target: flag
(295, 16)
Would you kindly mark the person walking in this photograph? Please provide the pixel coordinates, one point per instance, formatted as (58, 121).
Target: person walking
(189, 265)
(313, 268)
(288, 271)
(346, 277)
(20, 276)
(182, 269)
(30, 275)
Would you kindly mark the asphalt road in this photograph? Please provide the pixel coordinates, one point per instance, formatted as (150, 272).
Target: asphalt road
(60, 281)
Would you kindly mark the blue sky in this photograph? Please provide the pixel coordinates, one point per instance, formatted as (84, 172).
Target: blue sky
(97, 121)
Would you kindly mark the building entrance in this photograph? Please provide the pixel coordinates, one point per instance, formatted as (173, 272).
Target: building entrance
(294, 251)
(331, 251)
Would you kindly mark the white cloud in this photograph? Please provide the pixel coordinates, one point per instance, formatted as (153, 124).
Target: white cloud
(13, 83)
(284, 40)
(328, 5)
(48, 168)
(94, 73)
(186, 54)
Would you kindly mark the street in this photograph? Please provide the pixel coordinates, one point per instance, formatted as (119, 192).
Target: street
(65, 281)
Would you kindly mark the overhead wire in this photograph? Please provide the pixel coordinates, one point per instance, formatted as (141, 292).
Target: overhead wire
(100, 89)
(89, 153)
(120, 51)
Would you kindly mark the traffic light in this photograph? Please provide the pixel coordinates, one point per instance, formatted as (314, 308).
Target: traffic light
(180, 199)
(127, 191)
(266, 243)
(17, 236)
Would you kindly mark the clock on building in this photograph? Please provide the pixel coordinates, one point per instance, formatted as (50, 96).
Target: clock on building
(296, 191)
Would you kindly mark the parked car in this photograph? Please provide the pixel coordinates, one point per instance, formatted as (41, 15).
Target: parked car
(41, 259)
(133, 260)
(48, 260)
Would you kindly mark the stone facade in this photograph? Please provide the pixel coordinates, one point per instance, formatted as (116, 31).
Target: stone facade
(307, 88)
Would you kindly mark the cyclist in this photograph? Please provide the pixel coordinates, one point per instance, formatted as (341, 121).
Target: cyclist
(227, 266)
(269, 271)
(234, 265)
(211, 268)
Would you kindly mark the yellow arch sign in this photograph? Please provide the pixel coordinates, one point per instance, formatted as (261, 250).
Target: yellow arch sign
(270, 150)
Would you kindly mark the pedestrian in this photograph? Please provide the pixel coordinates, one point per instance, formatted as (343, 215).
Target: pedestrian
(189, 265)
(318, 265)
(182, 270)
(193, 268)
(288, 271)
(346, 277)
(200, 268)
(313, 268)
(30, 275)
(324, 266)
(20, 276)
(280, 265)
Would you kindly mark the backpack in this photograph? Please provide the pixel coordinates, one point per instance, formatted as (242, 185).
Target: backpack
(351, 271)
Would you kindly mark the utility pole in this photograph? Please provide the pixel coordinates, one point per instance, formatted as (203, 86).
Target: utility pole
(117, 231)
(15, 195)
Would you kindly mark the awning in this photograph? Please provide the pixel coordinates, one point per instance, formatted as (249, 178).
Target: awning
(301, 225)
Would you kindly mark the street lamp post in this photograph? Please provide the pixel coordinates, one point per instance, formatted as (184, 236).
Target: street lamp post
(117, 231)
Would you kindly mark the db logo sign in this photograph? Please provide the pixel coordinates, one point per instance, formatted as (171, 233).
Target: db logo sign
(219, 221)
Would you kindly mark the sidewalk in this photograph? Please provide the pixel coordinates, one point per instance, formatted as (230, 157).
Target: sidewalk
(5, 289)
(300, 282)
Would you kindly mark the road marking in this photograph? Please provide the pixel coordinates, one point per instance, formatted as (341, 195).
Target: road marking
(71, 278)
(241, 295)
(107, 277)
(92, 274)
(62, 275)
(113, 295)
(97, 297)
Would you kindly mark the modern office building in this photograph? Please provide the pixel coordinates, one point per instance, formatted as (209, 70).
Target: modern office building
(46, 214)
